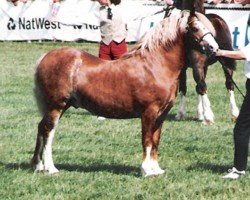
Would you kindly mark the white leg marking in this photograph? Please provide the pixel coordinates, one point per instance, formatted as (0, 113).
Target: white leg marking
(182, 108)
(208, 113)
(199, 111)
(48, 160)
(150, 167)
(39, 166)
(234, 108)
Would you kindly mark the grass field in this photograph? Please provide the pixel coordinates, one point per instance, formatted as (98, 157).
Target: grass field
(101, 159)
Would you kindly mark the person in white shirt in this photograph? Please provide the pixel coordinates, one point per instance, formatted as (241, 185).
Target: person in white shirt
(113, 30)
(242, 126)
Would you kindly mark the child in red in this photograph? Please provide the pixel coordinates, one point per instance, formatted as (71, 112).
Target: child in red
(113, 30)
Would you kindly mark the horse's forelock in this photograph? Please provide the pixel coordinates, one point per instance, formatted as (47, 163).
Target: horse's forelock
(163, 34)
(206, 23)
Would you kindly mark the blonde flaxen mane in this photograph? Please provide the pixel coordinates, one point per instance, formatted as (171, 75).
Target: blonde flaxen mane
(163, 34)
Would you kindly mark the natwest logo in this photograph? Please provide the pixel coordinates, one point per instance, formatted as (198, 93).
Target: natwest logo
(37, 23)
(32, 24)
(11, 24)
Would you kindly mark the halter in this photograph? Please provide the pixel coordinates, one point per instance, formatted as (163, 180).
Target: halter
(203, 49)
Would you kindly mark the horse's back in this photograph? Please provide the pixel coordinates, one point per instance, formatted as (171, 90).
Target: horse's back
(223, 35)
(63, 58)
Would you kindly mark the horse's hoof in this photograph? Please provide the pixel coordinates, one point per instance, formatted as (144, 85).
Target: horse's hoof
(51, 171)
(152, 172)
(37, 171)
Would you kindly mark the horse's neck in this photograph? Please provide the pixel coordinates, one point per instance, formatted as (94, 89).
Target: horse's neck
(169, 59)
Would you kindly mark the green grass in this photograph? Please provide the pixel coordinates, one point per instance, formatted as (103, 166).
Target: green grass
(101, 159)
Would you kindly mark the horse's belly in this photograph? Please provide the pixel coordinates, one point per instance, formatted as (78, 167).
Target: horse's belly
(106, 107)
(112, 112)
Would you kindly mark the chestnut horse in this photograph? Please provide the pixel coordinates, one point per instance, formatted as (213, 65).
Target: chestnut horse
(199, 61)
(141, 84)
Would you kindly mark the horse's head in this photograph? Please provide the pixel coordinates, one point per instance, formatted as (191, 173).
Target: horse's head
(200, 30)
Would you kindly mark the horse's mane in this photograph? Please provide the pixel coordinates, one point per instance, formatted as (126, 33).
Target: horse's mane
(163, 34)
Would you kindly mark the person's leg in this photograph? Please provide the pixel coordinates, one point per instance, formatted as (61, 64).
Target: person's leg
(118, 49)
(242, 133)
(104, 51)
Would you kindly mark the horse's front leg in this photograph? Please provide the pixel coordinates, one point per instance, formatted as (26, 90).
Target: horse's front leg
(46, 131)
(181, 114)
(204, 111)
(151, 132)
(230, 87)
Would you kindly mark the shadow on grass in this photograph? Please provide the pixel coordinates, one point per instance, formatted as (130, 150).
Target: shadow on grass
(81, 112)
(16, 166)
(215, 168)
(171, 117)
(112, 168)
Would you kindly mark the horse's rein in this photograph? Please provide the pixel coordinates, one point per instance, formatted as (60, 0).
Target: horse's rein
(231, 78)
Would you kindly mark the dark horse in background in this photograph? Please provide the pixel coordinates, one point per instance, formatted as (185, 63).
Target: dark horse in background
(141, 84)
(199, 61)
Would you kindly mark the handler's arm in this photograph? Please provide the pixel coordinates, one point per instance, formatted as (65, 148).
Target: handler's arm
(238, 55)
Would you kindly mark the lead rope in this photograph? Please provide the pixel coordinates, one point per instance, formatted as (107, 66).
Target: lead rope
(231, 78)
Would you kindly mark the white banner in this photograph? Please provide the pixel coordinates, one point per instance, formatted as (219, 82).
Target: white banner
(72, 20)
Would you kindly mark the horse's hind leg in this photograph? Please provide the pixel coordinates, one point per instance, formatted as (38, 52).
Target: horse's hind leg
(46, 131)
(150, 140)
(181, 114)
(230, 87)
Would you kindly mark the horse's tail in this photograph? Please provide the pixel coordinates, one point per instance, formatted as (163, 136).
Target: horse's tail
(39, 96)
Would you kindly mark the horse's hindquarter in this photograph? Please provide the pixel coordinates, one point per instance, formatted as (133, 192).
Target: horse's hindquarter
(54, 76)
(223, 35)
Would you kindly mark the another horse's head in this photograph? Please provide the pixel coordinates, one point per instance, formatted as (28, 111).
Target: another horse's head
(202, 32)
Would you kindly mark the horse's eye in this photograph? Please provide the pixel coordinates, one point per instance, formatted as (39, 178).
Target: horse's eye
(194, 29)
